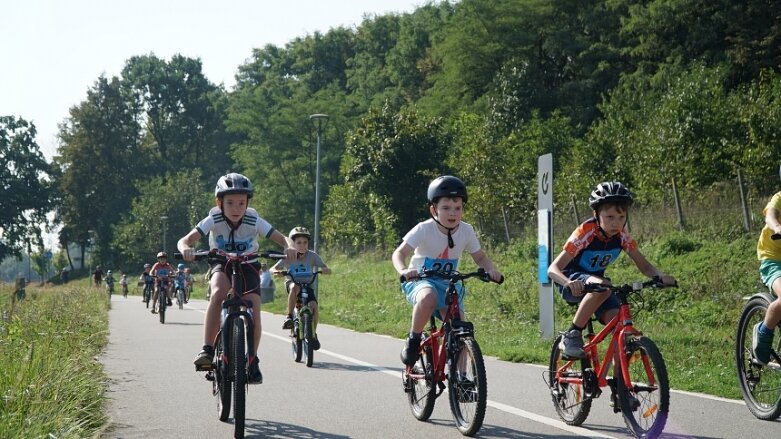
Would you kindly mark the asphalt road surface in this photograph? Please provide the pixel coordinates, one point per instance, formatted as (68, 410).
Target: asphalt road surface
(353, 391)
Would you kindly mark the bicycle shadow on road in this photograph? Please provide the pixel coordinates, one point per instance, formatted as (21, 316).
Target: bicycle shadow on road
(260, 428)
(168, 322)
(619, 431)
(325, 365)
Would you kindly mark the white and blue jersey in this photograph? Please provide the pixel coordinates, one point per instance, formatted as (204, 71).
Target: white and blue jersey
(242, 239)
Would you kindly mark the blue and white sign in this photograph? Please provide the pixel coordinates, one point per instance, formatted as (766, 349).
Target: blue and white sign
(545, 241)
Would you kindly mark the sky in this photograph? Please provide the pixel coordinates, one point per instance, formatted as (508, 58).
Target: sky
(53, 51)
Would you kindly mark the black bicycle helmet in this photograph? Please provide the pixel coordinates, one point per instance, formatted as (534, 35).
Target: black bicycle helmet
(233, 183)
(609, 191)
(446, 186)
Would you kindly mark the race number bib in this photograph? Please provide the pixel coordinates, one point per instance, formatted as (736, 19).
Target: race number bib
(597, 261)
(445, 266)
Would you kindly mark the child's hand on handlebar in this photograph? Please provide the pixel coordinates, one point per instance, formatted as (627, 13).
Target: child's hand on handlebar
(668, 280)
(409, 274)
(188, 254)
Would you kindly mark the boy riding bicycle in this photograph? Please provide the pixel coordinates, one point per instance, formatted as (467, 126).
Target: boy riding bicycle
(305, 262)
(436, 244)
(232, 226)
(589, 250)
(162, 271)
(769, 255)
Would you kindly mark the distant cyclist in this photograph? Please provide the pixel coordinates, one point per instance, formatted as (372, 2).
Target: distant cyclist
(769, 254)
(110, 282)
(162, 272)
(97, 276)
(147, 278)
(123, 282)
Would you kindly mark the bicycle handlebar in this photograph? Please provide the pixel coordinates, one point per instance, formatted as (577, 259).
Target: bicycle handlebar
(216, 253)
(456, 276)
(655, 282)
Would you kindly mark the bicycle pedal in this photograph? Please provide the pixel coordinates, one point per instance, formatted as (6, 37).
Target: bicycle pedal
(208, 368)
(209, 376)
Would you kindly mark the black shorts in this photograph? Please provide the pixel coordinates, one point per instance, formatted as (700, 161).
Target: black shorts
(312, 293)
(249, 276)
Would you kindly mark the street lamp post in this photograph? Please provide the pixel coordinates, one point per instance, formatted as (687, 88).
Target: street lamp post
(164, 219)
(320, 120)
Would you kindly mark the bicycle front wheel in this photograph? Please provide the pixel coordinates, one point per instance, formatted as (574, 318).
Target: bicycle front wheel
(180, 298)
(760, 385)
(467, 386)
(421, 392)
(238, 359)
(566, 385)
(309, 335)
(295, 339)
(645, 400)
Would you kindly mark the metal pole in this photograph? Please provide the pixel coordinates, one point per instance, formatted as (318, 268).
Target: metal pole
(318, 118)
(164, 219)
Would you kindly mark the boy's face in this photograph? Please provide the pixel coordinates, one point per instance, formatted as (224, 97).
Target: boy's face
(233, 206)
(448, 211)
(162, 260)
(302, 244)
(612, 219)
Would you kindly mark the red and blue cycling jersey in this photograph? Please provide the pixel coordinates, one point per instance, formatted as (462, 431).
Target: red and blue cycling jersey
(592, 252)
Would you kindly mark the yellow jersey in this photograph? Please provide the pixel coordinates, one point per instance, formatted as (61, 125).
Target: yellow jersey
(766, 247)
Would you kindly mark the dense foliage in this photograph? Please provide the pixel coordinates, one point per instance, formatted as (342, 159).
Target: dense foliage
(651, 92)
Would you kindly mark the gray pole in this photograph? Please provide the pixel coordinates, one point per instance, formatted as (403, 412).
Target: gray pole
(164, 219)
(319, 119)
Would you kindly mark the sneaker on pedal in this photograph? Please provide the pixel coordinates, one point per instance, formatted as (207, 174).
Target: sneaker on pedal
(571, 344)
(761, 345)
(316, 343)
(409, 355)
(288, 323)
(255, 377)
(203, 361)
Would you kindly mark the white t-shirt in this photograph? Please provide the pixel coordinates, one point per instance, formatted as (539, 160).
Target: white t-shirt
(431, 246)
(241, 240)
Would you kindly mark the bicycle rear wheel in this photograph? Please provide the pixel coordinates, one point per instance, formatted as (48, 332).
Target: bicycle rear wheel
(760, 385)
(238, 359)
(567, 389)
(645, 401)
(468, 386)
(421, 392)
(221, 386)
(309, 335)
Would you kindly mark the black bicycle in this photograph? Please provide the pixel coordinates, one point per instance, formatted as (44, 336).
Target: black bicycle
(302, 334)
(234, 345)
(760, 384)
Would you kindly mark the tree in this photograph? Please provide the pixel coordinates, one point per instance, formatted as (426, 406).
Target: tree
(26, 188)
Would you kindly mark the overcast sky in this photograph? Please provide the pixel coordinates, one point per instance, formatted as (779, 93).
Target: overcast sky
(53, 51)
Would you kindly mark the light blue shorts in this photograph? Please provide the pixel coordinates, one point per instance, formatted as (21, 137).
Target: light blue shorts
(769, 271)
(411, 289)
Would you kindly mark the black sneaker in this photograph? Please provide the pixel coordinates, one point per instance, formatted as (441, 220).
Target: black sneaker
(411, 351)
(203, 361)
(316, 343)
(255, 377)
(288, 323)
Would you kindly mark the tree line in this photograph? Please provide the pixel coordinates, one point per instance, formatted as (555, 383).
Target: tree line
(640, 91)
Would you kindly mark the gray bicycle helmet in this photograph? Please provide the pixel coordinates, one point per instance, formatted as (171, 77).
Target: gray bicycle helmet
(295, 232)
(609, 191)
(233, 183)
(446, 186)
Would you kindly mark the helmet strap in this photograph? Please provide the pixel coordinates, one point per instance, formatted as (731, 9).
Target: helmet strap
(450, 242)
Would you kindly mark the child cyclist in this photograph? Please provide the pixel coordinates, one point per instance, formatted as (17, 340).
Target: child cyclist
(147, 278)
(232, 226)
(303, 265)
(162, 271)
(434, 243)
(589, 250)
(769, 254)
(188, 283)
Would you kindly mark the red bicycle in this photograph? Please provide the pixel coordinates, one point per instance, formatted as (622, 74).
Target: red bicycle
(639, 386)
(450, 353)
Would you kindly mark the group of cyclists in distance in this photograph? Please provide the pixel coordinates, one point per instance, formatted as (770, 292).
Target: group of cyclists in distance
(434, 244)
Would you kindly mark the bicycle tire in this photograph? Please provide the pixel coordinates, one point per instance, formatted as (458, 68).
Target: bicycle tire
(309, 335)
(758, 384)
(569, 399)
(468, 386)
(644, 405)
(221, 386)
(180, 298)
(147, 295)
(295, 339)
(238, 359)
(421, 393)
(161, 305)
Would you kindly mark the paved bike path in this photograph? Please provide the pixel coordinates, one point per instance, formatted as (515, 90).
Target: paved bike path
(354, 390)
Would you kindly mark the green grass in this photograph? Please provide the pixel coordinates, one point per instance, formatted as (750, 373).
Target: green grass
(52, 382)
